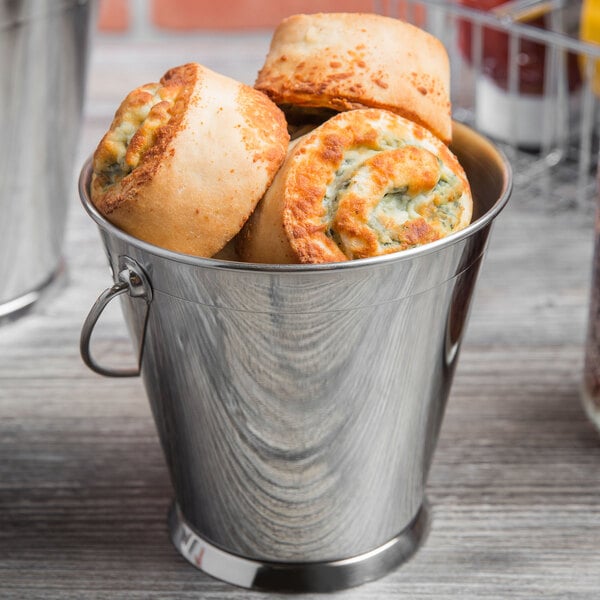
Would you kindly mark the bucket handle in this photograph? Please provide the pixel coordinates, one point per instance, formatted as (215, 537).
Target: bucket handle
(131, 279)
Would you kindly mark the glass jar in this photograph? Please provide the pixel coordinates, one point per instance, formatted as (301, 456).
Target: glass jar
(591, 368)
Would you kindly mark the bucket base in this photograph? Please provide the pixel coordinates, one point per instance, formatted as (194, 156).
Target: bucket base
(295, 576)
(19, 307)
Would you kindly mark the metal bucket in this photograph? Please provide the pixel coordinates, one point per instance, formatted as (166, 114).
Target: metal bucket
(43, 50)
(298, 406)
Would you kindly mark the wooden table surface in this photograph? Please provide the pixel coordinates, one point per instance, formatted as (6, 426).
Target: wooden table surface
(515, 484)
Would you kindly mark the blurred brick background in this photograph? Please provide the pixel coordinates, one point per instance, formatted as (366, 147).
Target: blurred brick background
(148, 16)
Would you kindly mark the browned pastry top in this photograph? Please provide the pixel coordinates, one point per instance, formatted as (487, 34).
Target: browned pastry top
(344, 61)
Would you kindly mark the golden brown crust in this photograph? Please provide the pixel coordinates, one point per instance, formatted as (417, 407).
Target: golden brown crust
(185, 161)
(346, 61)
(365, 183)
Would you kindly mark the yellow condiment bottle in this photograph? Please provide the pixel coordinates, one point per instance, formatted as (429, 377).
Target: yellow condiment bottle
(589, 31)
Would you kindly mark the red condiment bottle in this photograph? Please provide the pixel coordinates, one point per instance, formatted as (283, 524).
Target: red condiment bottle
(513, 107)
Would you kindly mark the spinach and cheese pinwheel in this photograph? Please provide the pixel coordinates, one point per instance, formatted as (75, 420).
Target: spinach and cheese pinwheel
(186, 160)
(320, 64)
(365, 183)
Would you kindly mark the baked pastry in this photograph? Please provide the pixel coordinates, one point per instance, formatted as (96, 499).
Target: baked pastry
(186, 160)
(329, 62)
(364, 183)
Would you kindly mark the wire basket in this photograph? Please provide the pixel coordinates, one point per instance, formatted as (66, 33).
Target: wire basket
(522, 75)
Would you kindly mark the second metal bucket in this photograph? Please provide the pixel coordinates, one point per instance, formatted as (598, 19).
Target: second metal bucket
(298, 407)
(43, 57)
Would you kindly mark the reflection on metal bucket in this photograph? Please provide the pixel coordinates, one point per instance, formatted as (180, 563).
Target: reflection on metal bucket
(43, 50)
(298, 406)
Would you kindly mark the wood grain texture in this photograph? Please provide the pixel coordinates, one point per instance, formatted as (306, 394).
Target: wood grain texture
(515, 484)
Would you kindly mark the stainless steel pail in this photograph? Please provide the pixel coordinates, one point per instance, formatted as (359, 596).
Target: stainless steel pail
(298, 406)
(43, 51)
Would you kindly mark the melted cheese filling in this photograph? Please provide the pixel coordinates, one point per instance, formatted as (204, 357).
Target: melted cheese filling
(441, 206)
(134, 130)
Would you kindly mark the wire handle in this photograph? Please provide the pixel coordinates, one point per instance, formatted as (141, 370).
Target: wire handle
(133, 280)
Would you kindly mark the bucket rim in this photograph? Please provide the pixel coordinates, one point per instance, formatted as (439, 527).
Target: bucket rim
(484, 220)
(25, 13)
